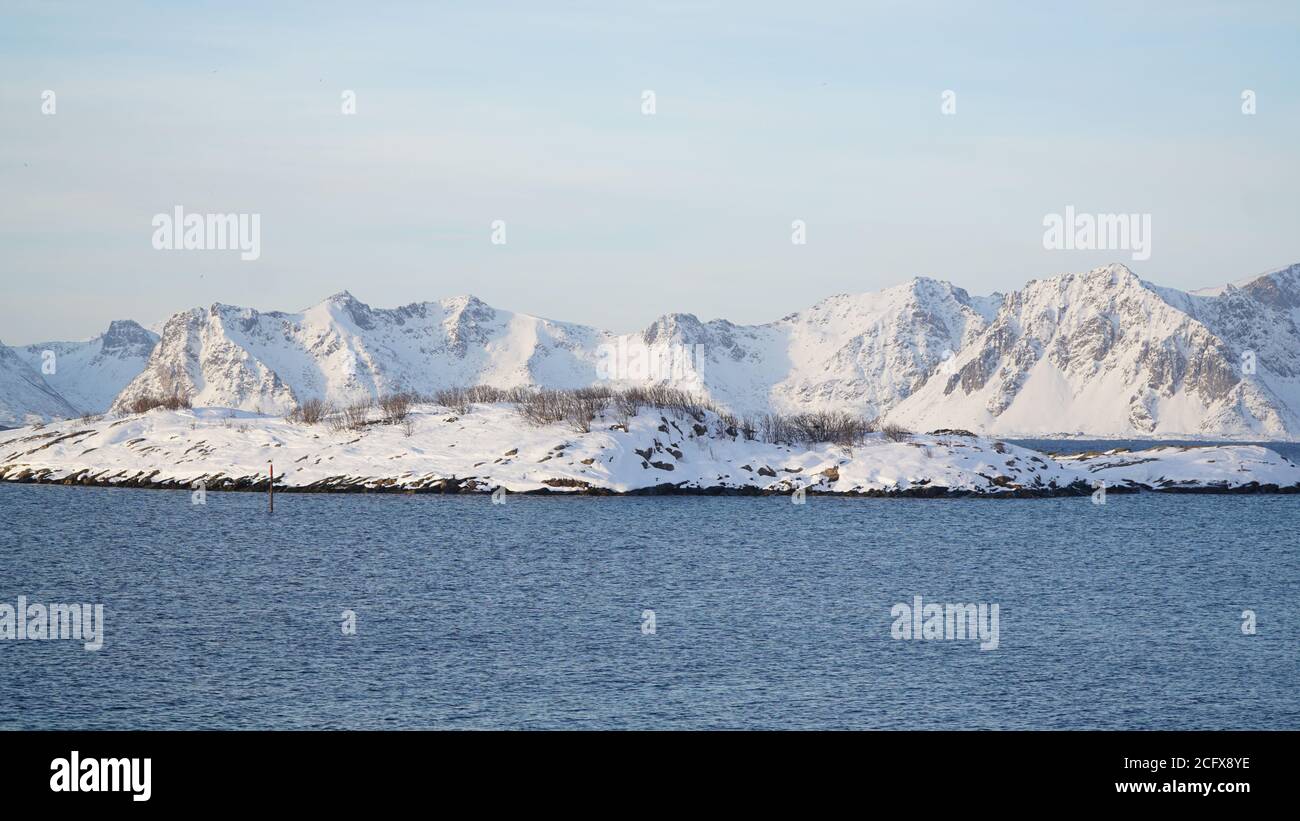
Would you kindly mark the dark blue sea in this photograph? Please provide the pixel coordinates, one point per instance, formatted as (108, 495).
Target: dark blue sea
(767, 614)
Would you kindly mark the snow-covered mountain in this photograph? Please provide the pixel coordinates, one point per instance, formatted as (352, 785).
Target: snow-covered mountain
(1104, 353)
(342, 349)
(25, 396)
(862, 352)
(1261, 316)
(1101, 353)
(89, 375)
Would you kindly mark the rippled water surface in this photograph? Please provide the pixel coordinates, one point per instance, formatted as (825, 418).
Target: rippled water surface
(768, 614)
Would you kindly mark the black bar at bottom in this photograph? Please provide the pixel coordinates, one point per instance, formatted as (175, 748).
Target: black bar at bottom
(333, 769)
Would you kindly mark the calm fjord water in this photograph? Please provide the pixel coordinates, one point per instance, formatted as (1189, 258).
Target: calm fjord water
(768, 615)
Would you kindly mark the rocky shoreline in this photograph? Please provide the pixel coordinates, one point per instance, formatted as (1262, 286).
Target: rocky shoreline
(453, 485)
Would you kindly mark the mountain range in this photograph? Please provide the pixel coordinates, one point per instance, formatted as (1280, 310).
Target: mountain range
(1101, 353)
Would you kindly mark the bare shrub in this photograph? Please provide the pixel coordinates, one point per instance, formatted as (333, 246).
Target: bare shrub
(144, 404)
(408, 427)
(488, 395)
(626, 404)
(460, 399)
(833, 427)
(544, 407)
(836, 427)
(727, 425)
(895, 432)
(453, 398)
(579, 406)
(354, 416)
(394, 407)
(583, 405)
(775, 429)
(678, 402)
(311, 412)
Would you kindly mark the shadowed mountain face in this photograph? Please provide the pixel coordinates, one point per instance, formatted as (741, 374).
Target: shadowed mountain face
(25, 396)
(89, 375)
(1106, 352)
(1100, 353)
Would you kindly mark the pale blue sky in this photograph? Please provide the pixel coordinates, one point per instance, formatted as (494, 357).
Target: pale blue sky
(767, 112)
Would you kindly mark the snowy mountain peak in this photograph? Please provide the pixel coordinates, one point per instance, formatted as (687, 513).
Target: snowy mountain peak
(1099, 352)
(1278, 289)
(1105, 353)
(126, 337)
(84, 375)
(678, 329)
(464, 302)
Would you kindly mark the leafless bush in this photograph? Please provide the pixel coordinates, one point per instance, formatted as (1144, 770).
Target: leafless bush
(408, 427)
(626, 404)
(578, 407)
(144, 404)
(895, 432)
(583, 405)
(311, 412)
(353, 416)
(454, 398)
(836, 427)
(678, 402)
(775, 428)
(460, 399)
(395, 407)
(488, 395)
(544, 407)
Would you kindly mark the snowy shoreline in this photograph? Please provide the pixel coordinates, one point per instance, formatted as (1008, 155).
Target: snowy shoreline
(653, 452)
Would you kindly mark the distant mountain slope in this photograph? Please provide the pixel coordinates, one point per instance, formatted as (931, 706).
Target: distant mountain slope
(1260, 315)
(862, 352)
(1100, 353)
(89, 375)
(25, 396)
(342, 349)
(1104, 353)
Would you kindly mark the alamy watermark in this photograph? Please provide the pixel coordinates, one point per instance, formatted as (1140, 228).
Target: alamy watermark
(1098, 232)
(638, 362)
(179, 231)
(77, 774)
(1248, 363)
(945, 622)
(41, 622)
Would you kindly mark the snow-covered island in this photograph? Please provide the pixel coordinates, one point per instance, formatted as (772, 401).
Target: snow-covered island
(480, 447)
